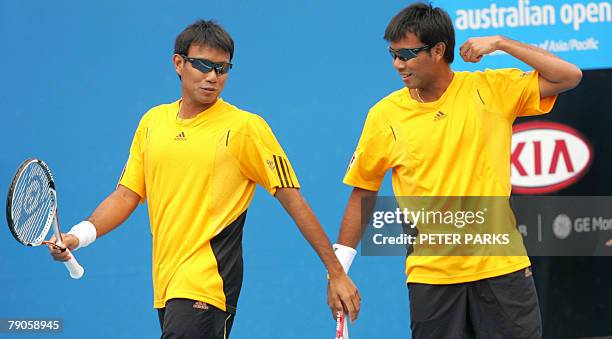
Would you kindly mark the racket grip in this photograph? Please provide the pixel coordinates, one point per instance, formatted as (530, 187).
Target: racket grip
(73, 266)
(342, 327)
(345, 334)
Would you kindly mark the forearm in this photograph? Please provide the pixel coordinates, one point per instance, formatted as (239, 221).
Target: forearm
(352, 228)
(548, 65)
(114, 210)
(309, 226)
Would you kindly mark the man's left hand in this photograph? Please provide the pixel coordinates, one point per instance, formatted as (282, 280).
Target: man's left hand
(475, 48)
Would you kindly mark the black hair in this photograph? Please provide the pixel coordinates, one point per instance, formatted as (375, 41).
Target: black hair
(205, 33)
(431, 25)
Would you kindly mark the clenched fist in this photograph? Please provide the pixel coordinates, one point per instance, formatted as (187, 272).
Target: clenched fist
(475, 48)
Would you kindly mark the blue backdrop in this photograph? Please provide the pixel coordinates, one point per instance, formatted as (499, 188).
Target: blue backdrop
(77, 77)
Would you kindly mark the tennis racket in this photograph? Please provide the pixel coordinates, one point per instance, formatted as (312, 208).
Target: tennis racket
(341, 327)
(31, 209)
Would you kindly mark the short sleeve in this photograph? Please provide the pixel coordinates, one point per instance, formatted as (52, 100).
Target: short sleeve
(371, 159)
(132, 176)
(261, 157)
(519, 92)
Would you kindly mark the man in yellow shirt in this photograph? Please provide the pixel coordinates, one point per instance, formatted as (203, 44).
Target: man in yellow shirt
(448, 134)
(196, 162)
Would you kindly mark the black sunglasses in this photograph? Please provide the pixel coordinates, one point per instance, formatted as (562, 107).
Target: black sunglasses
(405, 54)
(206, 66)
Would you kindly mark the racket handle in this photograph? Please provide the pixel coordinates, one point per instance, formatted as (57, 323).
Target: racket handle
(342, 327)
(345, 327)
(73, 266)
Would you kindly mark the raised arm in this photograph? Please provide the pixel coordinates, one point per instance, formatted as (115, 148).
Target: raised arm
(556, 74)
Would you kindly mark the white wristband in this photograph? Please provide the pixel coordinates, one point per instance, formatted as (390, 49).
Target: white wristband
(345, 255)
(85, 231)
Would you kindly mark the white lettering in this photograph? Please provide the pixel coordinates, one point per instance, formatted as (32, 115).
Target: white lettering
(601, 224)
(377, 223)
(461, 21)
(582, 225)
(524, 14)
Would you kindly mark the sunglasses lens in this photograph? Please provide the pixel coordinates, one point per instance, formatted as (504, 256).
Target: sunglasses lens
(205, 66)
(202, 66)
(224, 68)
(405, 54)
(402, 54)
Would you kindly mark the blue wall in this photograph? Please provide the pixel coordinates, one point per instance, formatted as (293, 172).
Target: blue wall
(78, 77)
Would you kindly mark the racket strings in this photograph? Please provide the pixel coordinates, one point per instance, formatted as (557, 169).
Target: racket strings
(35, 227)
(30, 228)
(19, 194)
(21, 210)
(33, 204)
(26, 183)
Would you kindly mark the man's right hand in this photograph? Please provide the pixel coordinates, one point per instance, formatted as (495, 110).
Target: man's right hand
(68, 241)
(343, 296)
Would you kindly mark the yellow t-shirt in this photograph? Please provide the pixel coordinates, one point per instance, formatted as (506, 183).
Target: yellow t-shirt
(458, 145)
(198, 177)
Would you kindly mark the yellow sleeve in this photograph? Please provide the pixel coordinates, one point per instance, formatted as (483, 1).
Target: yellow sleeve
(519, 92)
(132, 176)
(371, 159)
(261, 157)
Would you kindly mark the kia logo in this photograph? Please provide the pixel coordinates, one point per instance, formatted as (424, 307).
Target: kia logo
(547, 157)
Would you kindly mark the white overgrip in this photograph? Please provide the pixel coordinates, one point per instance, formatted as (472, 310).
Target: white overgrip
(73, 266)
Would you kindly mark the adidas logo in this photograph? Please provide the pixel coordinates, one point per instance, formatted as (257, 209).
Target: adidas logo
(180, 137)
(201, 305)
(439, 116)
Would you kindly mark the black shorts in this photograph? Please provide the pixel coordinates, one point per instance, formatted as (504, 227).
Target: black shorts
(500, 307)
(187, 319)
